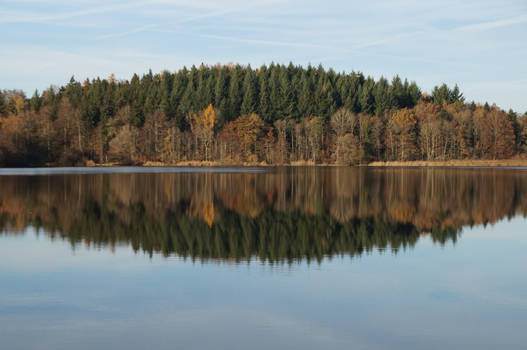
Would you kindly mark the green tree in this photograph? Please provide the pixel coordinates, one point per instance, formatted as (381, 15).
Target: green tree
(250, 97)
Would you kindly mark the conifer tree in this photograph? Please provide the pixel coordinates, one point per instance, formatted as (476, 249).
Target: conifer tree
(235, 93)
(250, 93)
(221, 91)
(3, 108)
(275, 96)
(305, 97)
(34, 103)
(383, 96)
(366, 100)
(264, 104)
(286, 101)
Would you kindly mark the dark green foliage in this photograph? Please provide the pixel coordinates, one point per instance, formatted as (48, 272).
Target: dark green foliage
(235, 93)
(250, 101)
(221, 90)
(274, 92)
(3, 107)
(366, 99)
(384, 96)
(444, 94)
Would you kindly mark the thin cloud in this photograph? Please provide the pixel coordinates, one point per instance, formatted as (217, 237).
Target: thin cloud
(129, 32)
(28, 17)
(189, 19)
(493, 24)
(265, 42)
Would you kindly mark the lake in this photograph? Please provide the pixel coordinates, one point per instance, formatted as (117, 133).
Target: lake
(263, 258)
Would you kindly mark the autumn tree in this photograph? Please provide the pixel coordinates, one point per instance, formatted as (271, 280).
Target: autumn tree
(494, 134)
(248, 129)
(122, 146)
(202, 127)
(343, 123)
(401, 135)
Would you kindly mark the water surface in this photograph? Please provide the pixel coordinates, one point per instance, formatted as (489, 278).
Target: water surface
(297, 258)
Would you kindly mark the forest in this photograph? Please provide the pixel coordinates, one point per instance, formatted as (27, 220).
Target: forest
(237, 115)
(288, 215)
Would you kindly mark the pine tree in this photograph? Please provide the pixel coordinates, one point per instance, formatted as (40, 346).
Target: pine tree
(325, 104)
(264, 104)
(235, 93)
(383, 96)
(399, 92)
(414, 94)
(305, 98)
(167, 81)
(286, 100)
(201, 90)
(274, 92)
(356, 82)
(178, 90)
(210, 87)
(221, 91)
(3, 109)
(34, 103)
(366, 100)
(250, 96)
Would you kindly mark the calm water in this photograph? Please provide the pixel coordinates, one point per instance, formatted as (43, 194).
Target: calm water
(296, 258)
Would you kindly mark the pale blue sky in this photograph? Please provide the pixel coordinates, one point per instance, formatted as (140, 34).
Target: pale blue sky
(480, 45)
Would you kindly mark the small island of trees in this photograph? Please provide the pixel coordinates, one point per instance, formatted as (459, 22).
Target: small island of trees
(231, 114)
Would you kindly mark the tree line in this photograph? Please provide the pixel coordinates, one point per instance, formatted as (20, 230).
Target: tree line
(233, 114)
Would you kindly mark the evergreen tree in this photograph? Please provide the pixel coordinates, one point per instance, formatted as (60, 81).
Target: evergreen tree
(221, 91)
(178, 90)
(414, 94)
(286, 100)
(383, 96)
(399, 92)
(235, 93)
(305, 97)
(264, 104)
(137, 117)
(34, 103)
(250, 97)
(167, 81)
(3, 108)
(366, 100)
(201, 91)
(356, 81)
(275, 94)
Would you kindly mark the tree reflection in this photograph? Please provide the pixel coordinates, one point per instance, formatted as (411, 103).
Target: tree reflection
(283, 215)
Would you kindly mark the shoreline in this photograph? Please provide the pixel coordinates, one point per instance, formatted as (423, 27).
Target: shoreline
(477, 163)
(466, 163)
(408, 164)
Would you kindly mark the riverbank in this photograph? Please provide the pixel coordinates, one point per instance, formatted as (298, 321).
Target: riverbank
(197, 163)
(419, 163)
(455, 163)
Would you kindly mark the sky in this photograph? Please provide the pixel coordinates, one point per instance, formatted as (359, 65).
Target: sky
(479, 45)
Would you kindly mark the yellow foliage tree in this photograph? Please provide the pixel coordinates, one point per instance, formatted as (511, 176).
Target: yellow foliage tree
(401, 134)
(202, 127)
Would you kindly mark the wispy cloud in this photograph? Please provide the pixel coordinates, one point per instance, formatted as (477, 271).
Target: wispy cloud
(265, 42)
(192, 18)
(7, 16)
(493, 24)
(128, 32)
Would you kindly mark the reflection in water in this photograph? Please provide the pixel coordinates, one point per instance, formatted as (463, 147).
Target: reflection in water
(283, 215)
